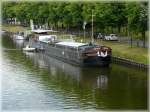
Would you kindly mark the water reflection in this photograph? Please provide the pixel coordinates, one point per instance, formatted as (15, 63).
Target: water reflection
(19, 43)
(97, 83)
(102, 82)
(58, 85)
(99, 78)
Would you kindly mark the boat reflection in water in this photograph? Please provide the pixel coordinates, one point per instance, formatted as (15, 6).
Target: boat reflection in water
(98, 78)
(19, 43)
(96, 87)
(102, 81)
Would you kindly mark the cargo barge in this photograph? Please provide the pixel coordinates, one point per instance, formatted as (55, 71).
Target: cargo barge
(83, 54)
(79, 53)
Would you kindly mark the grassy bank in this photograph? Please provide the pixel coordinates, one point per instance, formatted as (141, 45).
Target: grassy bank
(14, 28)
(125, 51)
(118, 49)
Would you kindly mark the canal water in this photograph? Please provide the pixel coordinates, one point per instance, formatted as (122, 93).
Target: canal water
(34, 81)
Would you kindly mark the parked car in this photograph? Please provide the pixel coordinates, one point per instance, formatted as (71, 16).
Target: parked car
(111, 37)
(98, 35)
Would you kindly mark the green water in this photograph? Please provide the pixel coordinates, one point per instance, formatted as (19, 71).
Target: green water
(33, 81)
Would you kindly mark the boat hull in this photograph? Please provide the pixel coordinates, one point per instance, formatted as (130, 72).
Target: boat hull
(75, 57)
(97, 61)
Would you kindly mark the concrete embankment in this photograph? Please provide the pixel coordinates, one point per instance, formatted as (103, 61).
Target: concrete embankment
(129, 62)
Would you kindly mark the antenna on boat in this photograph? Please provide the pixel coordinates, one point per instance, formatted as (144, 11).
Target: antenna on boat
(92, 38)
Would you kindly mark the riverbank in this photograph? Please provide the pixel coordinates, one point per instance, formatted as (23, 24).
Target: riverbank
(122, 50)
(14, 28)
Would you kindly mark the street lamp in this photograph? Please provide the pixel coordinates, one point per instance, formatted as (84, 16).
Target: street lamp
(84, 24)
(92, 38)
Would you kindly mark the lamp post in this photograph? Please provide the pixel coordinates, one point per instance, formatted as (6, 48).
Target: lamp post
(84, 24)
(92, 38)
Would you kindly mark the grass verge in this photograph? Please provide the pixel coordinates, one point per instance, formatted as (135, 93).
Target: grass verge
(14, 28)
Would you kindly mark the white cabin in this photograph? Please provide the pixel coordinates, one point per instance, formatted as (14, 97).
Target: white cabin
(47, 38)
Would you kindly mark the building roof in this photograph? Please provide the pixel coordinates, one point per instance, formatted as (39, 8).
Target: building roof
(42, 31)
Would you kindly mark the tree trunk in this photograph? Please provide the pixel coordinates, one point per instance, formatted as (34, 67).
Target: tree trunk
(62, 26)
(126, 30)
(131, 41)
(119, 27)
(49, 25)
(143, 37)
(68, 28)
(112, 31)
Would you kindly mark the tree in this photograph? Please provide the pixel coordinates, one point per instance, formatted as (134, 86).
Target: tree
(138, 17)
(114, 15)
(8, 10)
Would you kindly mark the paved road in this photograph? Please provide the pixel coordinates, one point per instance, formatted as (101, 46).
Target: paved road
(135, 42)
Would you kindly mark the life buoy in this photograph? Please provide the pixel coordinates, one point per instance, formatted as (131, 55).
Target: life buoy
(102, 54)
(98, 54)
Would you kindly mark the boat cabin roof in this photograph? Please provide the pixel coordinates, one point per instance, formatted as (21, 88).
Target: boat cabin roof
(71, 44)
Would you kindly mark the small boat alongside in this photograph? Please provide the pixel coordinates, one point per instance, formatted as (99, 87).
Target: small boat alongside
(29, 49)
(3, 31)
(41, 35)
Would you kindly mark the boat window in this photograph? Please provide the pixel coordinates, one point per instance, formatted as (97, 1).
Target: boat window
(58, 46)
(71, 48)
